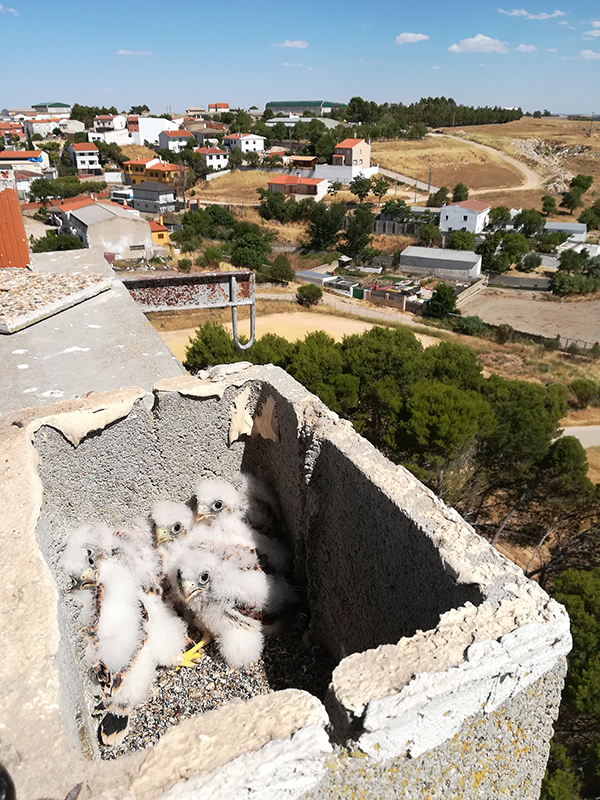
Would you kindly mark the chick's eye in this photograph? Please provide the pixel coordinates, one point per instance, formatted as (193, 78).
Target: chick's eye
(218, 505)
(177, 527)
(204, 577)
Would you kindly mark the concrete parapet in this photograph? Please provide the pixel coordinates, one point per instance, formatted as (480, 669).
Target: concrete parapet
(449, 661)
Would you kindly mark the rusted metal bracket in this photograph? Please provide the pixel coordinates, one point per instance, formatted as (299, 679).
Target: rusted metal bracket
(197, 290)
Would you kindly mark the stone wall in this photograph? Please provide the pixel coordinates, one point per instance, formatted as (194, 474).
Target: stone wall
(449, 662)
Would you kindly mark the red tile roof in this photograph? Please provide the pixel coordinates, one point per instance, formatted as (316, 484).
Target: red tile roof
(472, 205)
(83, 147)
(294, 180)
(157, 227)
(8, 155)
(218, 105)
(14, 250)
(347, 143)
(167, 167)
(205, 151)
(105, 116)
(176, 134)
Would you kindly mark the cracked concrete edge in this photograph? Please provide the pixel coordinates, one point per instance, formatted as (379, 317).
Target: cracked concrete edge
(238, 735)
(512, 603)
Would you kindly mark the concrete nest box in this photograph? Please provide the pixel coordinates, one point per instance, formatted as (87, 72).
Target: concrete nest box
(448, 663)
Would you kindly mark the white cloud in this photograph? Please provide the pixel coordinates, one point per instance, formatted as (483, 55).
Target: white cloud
(520, 12)
(591, 34)
(405, 38)
(288, 43)
(588, 55)
(563, 22)
(526, 48)
(552, 50)
(479, 44)
(134, 52)
(8, 10)
(288, 64)
(436, 67)
(595, 23)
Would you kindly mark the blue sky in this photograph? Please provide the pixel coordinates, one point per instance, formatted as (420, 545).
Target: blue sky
(187, 53)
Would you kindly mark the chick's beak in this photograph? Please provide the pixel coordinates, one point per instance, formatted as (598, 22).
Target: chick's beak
(87, 579)
(163, 535)
(204, 515)
(189, 589)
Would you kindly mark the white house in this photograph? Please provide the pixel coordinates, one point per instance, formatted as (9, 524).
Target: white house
(84, 156)
(42, 126)
(34, 160)
(110, 122)
(175, 141)
(215, 158)
(247, 142)
(468, 215)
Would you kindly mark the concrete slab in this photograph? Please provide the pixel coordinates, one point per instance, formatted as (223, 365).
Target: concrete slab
(101, 344)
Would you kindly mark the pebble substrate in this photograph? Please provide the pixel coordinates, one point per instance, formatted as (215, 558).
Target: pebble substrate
(289, 660)
(24, 293)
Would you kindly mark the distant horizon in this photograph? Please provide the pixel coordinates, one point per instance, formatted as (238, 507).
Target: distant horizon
(481, 55)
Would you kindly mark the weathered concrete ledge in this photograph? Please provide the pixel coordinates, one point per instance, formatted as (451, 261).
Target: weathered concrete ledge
(436, 635)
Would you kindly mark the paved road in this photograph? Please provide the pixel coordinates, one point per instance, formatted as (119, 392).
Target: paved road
(405, 179)
(588, 435)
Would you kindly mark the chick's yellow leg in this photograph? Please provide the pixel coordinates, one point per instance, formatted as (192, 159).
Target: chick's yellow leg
(192, 656)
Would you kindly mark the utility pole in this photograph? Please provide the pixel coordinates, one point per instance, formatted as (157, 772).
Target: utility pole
(429, 182)
(591, 123)
(453, 119)
(415, 191)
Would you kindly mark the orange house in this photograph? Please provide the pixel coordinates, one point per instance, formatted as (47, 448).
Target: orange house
(159, 233)
(152, 169)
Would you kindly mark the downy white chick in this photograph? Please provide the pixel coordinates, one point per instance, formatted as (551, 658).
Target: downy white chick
(222, 507)
(130, 631)
(232, 599)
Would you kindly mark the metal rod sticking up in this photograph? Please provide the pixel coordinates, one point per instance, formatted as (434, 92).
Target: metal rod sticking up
(234, 319)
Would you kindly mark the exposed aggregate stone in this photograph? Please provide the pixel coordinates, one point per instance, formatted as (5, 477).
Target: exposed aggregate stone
(23, 293)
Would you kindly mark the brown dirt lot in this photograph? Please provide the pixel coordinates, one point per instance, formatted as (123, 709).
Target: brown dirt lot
(452, 161)
(593, 457)
(291, 326)
(575, 320)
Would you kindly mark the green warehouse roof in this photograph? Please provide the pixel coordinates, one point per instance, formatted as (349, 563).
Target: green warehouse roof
(279, 103)
(52, 105)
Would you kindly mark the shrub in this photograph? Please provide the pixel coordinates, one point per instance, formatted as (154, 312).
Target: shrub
(504, 333)
(585, 390)
(309, 295)
(184, 264)
(443, 301)
(62, 241)
(471, 326)
(574, 349)
(595, 350)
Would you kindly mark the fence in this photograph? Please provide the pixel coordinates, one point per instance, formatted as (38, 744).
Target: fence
(472, 290)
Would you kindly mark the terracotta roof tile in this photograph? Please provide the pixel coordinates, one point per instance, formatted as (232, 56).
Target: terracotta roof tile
(156, 226)
(83, 147)
(7, 155)
(294, 180)
(14, 249)
(348, 143)
(205, 151)
(177, 134)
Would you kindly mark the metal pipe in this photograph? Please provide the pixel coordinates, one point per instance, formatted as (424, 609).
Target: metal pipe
(234, 320)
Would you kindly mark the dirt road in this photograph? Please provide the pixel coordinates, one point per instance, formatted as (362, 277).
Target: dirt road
(579, 320)
(531, 179)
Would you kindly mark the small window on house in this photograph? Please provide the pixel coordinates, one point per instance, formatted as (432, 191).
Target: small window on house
(446, 217)
(465, 218)
(136, 246)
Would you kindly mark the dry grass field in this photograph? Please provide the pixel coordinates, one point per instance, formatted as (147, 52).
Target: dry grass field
(137, 151)
(290, 233)
(556, 133)
(451, 161)
(593, 457)
(238, 186)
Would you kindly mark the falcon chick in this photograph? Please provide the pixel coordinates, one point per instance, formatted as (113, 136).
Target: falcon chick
(222, 507)
(231, 598)
(130, 630)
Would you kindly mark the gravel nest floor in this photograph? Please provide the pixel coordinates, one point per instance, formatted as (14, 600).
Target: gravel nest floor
(289, 660)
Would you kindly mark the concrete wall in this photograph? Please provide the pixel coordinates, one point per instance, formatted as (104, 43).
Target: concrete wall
(449, 662)
(342, 174)
(118, 235)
